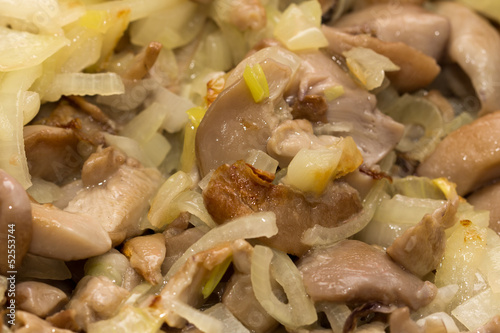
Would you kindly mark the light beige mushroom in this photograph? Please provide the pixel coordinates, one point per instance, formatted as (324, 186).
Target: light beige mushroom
(143, 62)
(469, 156)
(39, 298)
(96, 298)
(15, 223)
(146, 255)
(120, 200)
(29, 323)
(67, 236)
(475, 45)
(417, 70)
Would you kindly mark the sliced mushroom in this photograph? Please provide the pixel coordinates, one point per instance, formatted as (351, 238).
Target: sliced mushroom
(409, 24)
(186, 285)
(178, 244)
(29, 323)
(247, 14)
(95, 298)
(146, 255)
(92, 110)
(469, 156)
(238, 189)
(39, 298)
(355, 272)
(487, 198)
(241, 301)
(420, 248)
(417, 70)
(143, 62)
(475, 45)
(64, 319)
(15, 223)
(100, 166)
(292, 135)
(120, 202)
(67, 236)
(375, 134)
(234, 123)
(52, 152)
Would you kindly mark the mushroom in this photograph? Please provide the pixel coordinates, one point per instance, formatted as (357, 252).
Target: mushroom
(469, 156)
(52, 152)
(235, 124)
(487, 198)
(178, 244)
(375, 134)
(120, 200)
(146, 255)
(29, 323)
(475, 45)
(354, 272)
(417, 70)
(39, 298)
(95, 298)
(238, 189)
(409, 24)
(67, 236)
(400, 321)
(15, 223)
(142, 62)
(186, 285)
(420, 248)
(292, 135)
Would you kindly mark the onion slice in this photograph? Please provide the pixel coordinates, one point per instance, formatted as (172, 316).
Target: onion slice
(299, 311)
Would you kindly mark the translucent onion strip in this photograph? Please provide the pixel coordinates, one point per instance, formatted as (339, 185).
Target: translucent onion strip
(202, 321)
(319, 235)
(23, 49)
(222, 313)
(300, 310)
(256, 225)
(66, 84)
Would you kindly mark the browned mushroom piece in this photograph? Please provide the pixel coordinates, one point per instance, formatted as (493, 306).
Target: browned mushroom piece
(375, 134)
(420, 248)
(469, 156)
(66, 236)
(354, 272)
(234, 123)
(488, 198)
(92, 110)
(121, 200)
(39, 298)
(238, 189)
(146, 254)
(52, 152)
(417, 70)
(15, 223)
(475, 45)
(409, 24)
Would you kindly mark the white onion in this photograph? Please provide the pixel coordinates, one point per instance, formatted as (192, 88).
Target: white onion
(204, 322)
(299, 311)
(336, 313)
(478, 310)
(143, 126)
(130, 319)
(84, 84)
(261, 161)
(175, 108)
(255, 225)
(43, 191)
(192, 202)
(156, 149)
(130, 147)
(23, 49)
(162, 210)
